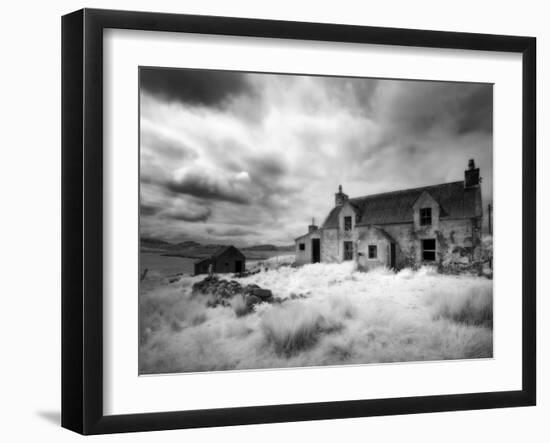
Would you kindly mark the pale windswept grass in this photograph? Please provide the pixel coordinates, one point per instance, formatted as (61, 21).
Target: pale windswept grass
(167, 307)
(291, 329)
(330, 315)
(239, 306)
(471, 307)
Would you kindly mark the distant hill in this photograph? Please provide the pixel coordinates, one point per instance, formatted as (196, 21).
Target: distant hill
(268, 248)
(193, 249)
(153, 243)
(185, 244)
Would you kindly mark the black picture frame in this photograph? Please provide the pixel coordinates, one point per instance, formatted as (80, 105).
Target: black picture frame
(82, 220)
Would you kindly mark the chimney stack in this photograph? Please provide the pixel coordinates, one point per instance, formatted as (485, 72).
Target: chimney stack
(340, 198)
(313, 226)
(471, 175)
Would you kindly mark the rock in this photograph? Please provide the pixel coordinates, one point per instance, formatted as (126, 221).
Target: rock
(252, 300)
(220, 288)
(263, 294)
(227, 289)
(205, 286)
(249, 288)
(247, 273)
(224, 290)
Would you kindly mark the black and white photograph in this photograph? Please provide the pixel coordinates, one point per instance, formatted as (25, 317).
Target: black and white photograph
(292, 220)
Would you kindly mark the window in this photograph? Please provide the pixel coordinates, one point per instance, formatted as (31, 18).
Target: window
(428, 249)
(425, 216)
(348, 250)
(347, 223)
(373, 251)
(302, 246)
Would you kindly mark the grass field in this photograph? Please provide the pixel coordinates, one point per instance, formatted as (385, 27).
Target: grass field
(329, 314)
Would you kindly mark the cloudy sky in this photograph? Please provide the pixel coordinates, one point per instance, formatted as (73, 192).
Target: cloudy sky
(244, 158)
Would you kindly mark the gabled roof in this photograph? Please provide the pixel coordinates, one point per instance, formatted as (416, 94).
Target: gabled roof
(396, 207)
(220, 251)
(223, 249)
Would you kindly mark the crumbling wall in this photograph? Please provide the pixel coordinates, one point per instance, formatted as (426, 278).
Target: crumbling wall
(458, 245)
(406, 240)
(330, 247)
(370, 236)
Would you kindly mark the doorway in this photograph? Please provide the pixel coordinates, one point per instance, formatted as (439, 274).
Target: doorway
(392, 255)
(348, 250)
(238, 266)
(315, 250)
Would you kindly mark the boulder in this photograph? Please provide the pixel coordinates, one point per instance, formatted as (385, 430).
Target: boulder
(249, 288)
(206, 285)
(263, 294)
(222, 291)
(219, 288)
(251, 301)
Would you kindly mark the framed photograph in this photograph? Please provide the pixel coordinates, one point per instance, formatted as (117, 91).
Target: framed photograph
(269, 221)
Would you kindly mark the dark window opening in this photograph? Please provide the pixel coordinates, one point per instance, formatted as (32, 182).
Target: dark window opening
(428, 249)
(373, 251)
(426, 216)
(302, 246)
(347, 223)
(348, 250)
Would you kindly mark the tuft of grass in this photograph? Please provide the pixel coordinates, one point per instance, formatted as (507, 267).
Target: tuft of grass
(473, 307)
(168, 308)
(343, 307)
(292, 329)
(239, 306)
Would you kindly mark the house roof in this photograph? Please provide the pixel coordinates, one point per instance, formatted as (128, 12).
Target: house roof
(396, 207)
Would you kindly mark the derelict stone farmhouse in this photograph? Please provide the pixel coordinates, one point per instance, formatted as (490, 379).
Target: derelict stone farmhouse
(427, 225)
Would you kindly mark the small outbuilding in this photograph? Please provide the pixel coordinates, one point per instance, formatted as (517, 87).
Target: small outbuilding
(227, 259)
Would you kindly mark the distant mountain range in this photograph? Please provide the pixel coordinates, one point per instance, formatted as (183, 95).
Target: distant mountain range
(194, 249)
(268, 248)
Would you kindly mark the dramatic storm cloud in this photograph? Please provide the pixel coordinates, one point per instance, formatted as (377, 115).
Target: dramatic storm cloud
(198, 87)
(245, 159)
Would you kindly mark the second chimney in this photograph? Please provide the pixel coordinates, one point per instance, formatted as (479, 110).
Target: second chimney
(340, 198)
(313, 226)
(471, 175)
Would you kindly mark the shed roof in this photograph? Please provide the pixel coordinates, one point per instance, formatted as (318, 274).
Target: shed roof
(454, 200)
(223, 249)
(220, 251)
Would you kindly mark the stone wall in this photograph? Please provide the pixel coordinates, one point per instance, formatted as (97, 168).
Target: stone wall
(456, 241)
(371, 236)
(458, 244)
(330, 246)
(406, 243)
(304, 257)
